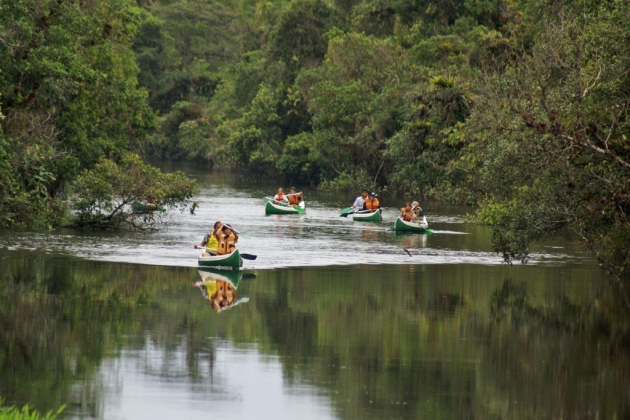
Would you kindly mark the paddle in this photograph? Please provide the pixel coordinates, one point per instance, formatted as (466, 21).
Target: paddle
(298, 207)
(363, 211)
(345, 212)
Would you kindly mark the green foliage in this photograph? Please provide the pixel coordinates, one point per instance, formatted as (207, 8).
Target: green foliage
(103, 196)
(26, 413)
(297, 38)
(550, 145)
(301, 160)
(70, 97)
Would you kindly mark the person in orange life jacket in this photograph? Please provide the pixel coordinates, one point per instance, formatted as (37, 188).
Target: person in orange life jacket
(211, 241)
(371, 202)
(295, 198)
(227, 240)
(280, 197)
(407, 213)
(359, 203)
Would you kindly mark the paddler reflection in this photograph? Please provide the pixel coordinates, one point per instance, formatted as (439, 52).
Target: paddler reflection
(219, 287)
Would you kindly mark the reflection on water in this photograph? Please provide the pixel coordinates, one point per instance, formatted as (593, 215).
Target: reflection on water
(219, 287)
(411, 240)
(460, 341)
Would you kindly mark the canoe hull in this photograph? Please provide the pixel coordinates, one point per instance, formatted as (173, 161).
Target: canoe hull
(271, 208)
(231, 261)
(409, 227)
(367, 217)
(138, 207)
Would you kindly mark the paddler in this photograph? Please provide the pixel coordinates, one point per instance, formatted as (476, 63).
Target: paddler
(371, 202)
(227, 240)
(407, 213)
(295, 198)
(280, 197)
(211, 241)
(359, 203)
(417, 209)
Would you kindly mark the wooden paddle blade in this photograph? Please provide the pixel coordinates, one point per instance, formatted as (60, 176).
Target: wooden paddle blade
(249, 256)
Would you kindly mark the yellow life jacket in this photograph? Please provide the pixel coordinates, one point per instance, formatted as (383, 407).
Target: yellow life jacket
(211, 288)
(212, 246)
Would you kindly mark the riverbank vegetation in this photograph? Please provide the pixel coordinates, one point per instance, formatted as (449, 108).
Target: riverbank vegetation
(517, 106)
(70, 98)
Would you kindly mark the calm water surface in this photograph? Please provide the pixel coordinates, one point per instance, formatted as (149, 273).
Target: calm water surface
(333, 320)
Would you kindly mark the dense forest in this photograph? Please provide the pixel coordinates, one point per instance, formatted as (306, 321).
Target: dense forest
(517, 106)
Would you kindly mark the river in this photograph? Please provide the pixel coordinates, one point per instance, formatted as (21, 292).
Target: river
(335, 319)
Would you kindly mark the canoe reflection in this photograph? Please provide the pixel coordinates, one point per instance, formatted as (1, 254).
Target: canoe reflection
(412, 241)
(219, 287)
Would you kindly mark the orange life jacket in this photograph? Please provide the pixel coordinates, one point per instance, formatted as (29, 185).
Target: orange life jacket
(279, 196)
(408, 215)
(294, 200)
(227, 244)
(371, 204)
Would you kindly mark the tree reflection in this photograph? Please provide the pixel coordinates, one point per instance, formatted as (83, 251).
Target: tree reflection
(409, 342)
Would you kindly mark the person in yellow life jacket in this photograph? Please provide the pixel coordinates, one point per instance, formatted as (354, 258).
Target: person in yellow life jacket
(371, 202)
(295, 198)
(280, 197)
(227, 240)
(407, 213)
(211, 241)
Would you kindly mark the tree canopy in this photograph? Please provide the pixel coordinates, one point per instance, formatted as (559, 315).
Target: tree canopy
(70, 98)
(516, 106)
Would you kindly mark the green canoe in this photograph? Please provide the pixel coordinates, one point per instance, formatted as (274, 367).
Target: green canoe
(367, 217)
(139, 207)
(402, 226)
(271, 208)
(231, 261)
